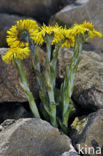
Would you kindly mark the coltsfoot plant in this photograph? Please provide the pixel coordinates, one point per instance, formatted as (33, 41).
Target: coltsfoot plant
(23, 39)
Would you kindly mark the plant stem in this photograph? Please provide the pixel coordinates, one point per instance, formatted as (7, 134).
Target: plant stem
(50, 79)
(48, 47)
(70, 80)
(50, 91)
(48, 40)
(25, 86)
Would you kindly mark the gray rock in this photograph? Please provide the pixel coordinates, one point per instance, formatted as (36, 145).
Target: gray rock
(1, 128)
(40, 9)
(7, 123)
(31, 137)
(88, 89)
(71, 152)
(91, 138)
(81, 10)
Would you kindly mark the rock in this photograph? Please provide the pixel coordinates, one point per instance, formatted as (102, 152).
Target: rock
(41, 9)
(10, 90)
(14, 111)
(33, 137)
(64, 3)
(7, 123)
(90, 141)
(88, 89)
(6, 21)
(71, 152)
(81, 10)
(1, 128)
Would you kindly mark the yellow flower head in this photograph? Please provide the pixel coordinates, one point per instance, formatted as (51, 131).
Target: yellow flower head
(68, 43)
(16, 53)
(68, 38)
(56, 31)
(18, 34)
(92, 32)
(59, 36)
(86, 27)
(77, 30)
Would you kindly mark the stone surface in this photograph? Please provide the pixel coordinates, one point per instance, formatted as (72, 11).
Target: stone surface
(92, 134)
(81, 10)
(71, 152)
(6, 21)
(32, 137)
(40, 9)
(88, 89)
(10, 89)
(1, 128)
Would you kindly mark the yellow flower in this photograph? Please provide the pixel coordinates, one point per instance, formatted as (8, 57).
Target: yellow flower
(59, 36)
(16, 53)
(56, 31)
(18, 34)
(68, 43)
(77, 30)
(65, 36)
(86, 27)
(67, 39)
(38, 38)
(92, 32)
(48, 30)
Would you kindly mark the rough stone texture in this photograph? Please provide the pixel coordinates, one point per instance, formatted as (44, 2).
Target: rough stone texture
(81, 10)
(6, 21)
(92, 134)
(1, 128)
(10, 89)
(88, 90)
(71, 152)
(32, 137)
(40, 9)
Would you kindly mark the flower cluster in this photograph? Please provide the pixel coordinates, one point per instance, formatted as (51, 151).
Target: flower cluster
(20, 34)
(17, 38)
(22, 39)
